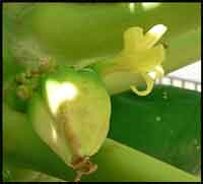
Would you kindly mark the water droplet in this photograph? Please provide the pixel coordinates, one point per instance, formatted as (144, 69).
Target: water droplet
(6, 174)
(171, 131)
(195, 142)
(158, 118)
(165, 95)
(198, 147)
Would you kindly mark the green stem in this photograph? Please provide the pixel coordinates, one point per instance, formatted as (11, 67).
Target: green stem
(17, 174)
(116, 162)
(73, 40)
(64, 40)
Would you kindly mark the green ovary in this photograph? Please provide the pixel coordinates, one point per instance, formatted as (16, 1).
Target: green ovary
(72, 113)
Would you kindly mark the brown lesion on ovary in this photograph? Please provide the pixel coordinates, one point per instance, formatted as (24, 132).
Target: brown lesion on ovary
(80, 163)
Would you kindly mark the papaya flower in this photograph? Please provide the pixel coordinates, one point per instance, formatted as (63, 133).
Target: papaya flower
(140, 55)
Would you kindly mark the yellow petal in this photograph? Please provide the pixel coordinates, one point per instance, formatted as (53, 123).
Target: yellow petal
(149, 59)
(153, 36)
(132, 38)
(149, 83)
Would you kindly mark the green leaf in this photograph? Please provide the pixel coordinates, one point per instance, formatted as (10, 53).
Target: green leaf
(165, 124)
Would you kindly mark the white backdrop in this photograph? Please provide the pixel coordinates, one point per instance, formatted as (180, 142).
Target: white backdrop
(190, 72)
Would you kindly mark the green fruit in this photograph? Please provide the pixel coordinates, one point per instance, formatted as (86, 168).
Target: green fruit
(71, 113)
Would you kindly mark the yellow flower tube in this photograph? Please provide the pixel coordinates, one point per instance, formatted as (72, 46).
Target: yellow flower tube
(141, 55)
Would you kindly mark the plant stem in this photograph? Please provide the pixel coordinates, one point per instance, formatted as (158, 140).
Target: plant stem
(64, 40)
(86, 36)
(116, 162)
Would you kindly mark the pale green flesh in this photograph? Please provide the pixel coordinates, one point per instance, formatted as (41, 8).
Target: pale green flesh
(43, 125)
